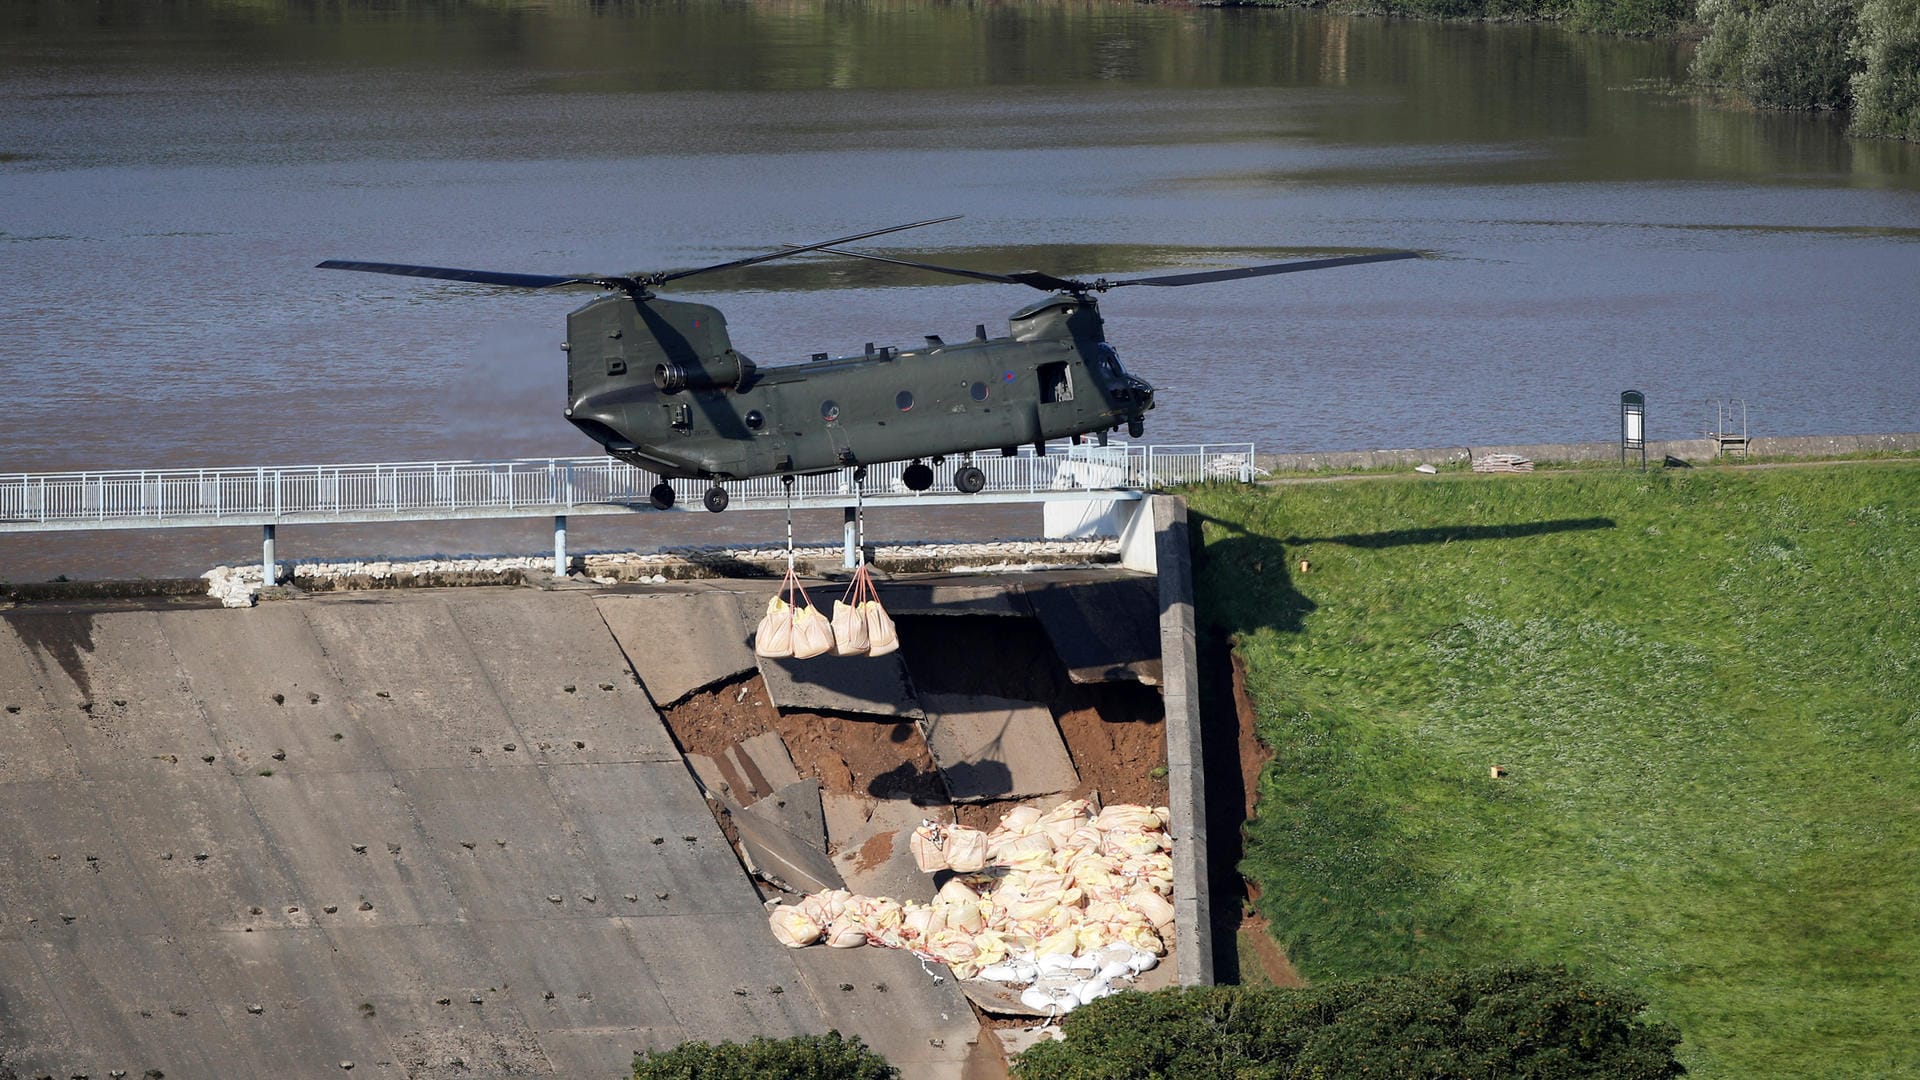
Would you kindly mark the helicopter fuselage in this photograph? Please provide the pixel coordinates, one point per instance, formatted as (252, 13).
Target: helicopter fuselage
(658, 384)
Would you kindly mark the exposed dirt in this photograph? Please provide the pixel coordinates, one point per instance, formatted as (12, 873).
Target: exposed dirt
(1112, 731)
(1254, 754)
(1274, 965)
(851, 755)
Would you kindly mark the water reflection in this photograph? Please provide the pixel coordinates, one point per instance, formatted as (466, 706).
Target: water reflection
(170, 174)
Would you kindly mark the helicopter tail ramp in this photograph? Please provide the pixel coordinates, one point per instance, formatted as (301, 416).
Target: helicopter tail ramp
(416, 834)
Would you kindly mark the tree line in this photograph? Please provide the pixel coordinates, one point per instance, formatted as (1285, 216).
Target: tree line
(1862, 56)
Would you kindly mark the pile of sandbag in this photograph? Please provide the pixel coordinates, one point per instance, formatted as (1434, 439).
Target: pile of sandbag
(794, 627)
(1067, 899)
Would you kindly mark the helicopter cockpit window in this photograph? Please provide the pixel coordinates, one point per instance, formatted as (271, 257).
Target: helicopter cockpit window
(904, 400)
(754, 419)
(1107, 361)
(829, 411)
(979, 391)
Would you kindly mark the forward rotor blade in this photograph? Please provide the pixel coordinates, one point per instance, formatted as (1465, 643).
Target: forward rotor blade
(784, 252)
(980, 275)
(478, 277)
(1236, 273)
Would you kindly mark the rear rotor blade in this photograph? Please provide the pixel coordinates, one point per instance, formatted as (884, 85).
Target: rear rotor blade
(657, 279)
(478, 277)
(1236, 273)
(981, 275)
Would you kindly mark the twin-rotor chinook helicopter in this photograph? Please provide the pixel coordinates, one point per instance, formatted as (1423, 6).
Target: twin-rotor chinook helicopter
(658, 383)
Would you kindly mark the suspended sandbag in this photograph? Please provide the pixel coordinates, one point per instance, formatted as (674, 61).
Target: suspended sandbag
(773, 638)
(966, 849)
(812, 633)
(882, 638)
(849, 629)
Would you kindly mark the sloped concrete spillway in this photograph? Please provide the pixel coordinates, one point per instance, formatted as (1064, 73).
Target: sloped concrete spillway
(420, 834)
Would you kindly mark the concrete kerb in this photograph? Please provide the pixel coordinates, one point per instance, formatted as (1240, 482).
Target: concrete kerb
(1695, 450)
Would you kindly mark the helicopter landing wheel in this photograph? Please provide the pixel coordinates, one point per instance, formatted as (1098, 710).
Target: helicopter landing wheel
(969, 479)
(715, 499)
(1136, 427)
(661, 496)
(917, 477)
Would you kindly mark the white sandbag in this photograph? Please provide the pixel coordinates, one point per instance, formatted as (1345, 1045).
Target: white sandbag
(812, 633)
(882, 638)
(774, 636)
(966, 849)
(929, 848)
(793, 927)
(1003, 971)
(849, 630)
(1142, 961)
(1093, 990)
(1119, 969)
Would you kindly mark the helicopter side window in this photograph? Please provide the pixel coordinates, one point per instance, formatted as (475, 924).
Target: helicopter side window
(1056, 383)
(830, 411)
(754, 419)
(979, 391)
(904, 400)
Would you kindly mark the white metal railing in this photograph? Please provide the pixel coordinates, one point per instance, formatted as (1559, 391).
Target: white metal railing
(540, 486)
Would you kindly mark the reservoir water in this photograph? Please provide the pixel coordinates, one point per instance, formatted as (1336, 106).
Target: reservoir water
(169, 176)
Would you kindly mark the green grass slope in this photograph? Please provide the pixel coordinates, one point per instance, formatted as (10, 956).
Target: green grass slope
(1705, 685)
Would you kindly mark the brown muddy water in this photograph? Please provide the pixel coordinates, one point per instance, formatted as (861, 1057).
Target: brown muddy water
(169, 176)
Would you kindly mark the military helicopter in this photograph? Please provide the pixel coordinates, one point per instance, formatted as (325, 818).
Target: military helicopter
(658, 383)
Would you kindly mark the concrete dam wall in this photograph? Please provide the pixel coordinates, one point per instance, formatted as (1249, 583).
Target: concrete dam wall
(423, 834)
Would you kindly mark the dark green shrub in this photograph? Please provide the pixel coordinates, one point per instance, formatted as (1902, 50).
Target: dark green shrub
(1886, 88)
(1722, 53)
(1541, 1023)
(1801, 55)
(804, 1057)
(1639, 18)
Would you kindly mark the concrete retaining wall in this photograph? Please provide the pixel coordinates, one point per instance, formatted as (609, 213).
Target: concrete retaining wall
(1186, 769)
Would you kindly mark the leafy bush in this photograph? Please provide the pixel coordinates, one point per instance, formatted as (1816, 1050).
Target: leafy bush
(804, 1057)
(1639, 18)
(1793, 54)
(1886, 88)
(1541, 1023)
(1800, 55)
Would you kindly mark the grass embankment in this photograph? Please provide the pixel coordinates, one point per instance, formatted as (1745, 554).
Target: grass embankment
(1705, 685)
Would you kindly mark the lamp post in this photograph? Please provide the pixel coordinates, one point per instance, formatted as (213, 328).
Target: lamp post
(1633, 426)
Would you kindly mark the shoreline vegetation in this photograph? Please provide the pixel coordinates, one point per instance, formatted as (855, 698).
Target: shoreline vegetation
(1858, 56)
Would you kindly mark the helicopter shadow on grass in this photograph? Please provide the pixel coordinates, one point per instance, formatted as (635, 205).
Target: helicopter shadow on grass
(1227, 605)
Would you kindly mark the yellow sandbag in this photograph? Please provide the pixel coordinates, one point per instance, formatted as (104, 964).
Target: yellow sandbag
(1155, 907)
(824, 907)
(812, 633)
(846, 932)
(1020, 818)
(1092, 938)
(774, 636)
(1063, 943)
(921, 923)
(1144, 939)
(1128, 842)
(881, 636)
(1128, 816)
(989, 947)
(1085, 838)
(849, 630)
(1030, 850)
(966, 849)
(929, 847)
(793, 927)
